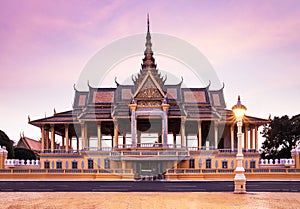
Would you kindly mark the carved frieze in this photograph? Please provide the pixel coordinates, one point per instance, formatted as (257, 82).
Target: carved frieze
(149, 94)
(149, 103)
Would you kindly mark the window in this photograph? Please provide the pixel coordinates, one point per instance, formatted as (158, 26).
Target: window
(192, 163)
(107, 164)
(74, 164)
(46, 164)
(224, 164)
(90, 164)
(252, 164)
(59, 165)
(208, 163)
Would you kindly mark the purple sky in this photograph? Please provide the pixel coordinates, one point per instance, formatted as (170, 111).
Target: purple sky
(254, 47)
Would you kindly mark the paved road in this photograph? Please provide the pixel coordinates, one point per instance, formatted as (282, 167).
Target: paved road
(145, 186)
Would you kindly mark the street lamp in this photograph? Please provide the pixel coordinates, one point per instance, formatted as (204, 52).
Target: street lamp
(239, 178)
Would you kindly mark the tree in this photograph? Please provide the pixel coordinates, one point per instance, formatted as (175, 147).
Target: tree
(5, 141)
(24, 154)
(281, 134)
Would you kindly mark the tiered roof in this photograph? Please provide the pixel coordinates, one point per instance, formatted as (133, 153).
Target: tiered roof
(148, 90)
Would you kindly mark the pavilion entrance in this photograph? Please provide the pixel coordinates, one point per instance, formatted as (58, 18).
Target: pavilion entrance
(149, 131)
(150, 169)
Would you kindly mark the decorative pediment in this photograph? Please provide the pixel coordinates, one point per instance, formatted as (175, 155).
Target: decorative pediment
(149, 89)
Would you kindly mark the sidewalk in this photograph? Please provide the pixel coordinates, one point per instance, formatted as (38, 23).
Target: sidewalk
(43, 200)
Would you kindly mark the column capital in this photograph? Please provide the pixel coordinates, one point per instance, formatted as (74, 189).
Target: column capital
(133, 107)
(165, 107)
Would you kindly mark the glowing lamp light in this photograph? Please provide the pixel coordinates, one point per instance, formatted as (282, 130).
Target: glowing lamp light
(239, 110)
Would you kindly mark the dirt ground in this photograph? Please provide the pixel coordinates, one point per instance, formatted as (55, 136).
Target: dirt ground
(153, 200)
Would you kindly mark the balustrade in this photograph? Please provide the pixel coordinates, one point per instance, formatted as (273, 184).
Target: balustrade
(287, 162)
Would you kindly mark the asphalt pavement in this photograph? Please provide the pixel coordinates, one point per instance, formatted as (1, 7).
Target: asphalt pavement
(145, 186)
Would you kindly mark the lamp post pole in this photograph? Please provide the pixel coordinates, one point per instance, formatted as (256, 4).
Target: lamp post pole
(239, 178)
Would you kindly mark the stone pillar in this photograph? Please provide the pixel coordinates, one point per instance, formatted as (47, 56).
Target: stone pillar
(216, 134)
(251, 135)
(87, 137)
(47, 138)
(43, 137)
(83, 136)
(99, 135)
(67, 137)
(116, 134)
(123, 162)
(199, 134)
(232, 137)
(256, 137)
(133, 124)
(165, 108)
(182, 131)
(246, 138)
(52, 138)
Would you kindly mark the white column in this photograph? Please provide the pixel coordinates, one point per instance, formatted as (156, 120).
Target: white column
(116, 134)
(52, 138)
(246, 138)
(216, 134)
(256, 137)
(199, 134)
(232, 137)
(77, 140)
(83, 136)
(251, 135)
(67, 137)
(43, 137)
(165, 125)
(182, 131)
(99, 135)
(133, 124)
(47, 138)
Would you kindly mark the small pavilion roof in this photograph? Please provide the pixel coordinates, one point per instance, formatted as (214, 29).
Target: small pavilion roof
(28, 143)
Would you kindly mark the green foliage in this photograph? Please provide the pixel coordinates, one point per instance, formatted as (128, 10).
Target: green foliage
(24, 154)
(281, 135)
(5, 141)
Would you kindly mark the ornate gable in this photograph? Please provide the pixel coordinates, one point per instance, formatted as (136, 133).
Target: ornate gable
(149, 93)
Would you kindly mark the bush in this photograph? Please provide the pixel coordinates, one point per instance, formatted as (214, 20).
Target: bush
(24, 154)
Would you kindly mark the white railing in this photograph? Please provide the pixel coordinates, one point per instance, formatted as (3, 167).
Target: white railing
(150, 145)
(16, 162)
(277, 162)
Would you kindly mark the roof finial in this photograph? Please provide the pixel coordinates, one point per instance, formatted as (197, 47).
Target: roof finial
(239, 99)
(148, 61)
(148, 23)
(148, 37)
